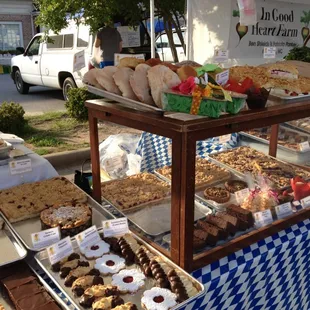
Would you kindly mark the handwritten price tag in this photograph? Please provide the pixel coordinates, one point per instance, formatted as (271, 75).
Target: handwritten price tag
(305, 203)
(87, 237)
(304, 146)
(45, 238)
(115, 227)
(263, 218)
(59, 250)
(242, 195)
(284, 210)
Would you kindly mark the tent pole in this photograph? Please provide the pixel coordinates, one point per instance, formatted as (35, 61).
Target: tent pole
(189, 24)
(152, 9)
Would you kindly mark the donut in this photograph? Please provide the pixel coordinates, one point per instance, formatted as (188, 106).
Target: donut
(110, 264)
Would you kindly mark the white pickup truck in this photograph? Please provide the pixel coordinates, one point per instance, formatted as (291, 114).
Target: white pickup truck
(57, 64)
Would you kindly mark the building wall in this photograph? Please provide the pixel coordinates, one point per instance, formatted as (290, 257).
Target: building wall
(26, 21)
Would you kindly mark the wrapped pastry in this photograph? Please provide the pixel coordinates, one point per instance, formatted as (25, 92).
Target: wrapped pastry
(130, 62)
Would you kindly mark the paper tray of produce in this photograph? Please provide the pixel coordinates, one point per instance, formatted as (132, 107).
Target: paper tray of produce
(196, 288)
(11, 248)
(256, 156)
(125, 101)
(286, 136)
(154, 218)
(24, 228)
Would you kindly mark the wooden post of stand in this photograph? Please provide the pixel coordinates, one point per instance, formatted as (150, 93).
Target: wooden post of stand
(94, 153)
(183, 192)
(273, 145)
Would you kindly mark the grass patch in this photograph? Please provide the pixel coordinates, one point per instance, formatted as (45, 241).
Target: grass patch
(42, 140)
(43, 152)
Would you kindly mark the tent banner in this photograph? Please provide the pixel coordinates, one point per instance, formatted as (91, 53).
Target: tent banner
(279, 24)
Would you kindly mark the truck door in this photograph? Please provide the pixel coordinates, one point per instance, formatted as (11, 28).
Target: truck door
(30, 70)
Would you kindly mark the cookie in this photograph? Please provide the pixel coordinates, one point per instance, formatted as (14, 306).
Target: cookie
(158, 298)
(107, 303)
(97, 291)
(81, 284)
(80, 272)
(110, 264)
(143, 258)
(56, 267)
(128, 246)
(96, 250)
(160, 272)
(126, 306)
(128, 281)
(70, 265)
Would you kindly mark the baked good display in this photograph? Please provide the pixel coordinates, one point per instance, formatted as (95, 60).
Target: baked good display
(135, 190)
(206, 173)
(126, 306)
(70, 218)
(217, 194)
(160, 272)
(303, 124)
(70, 265)
(245, 217)
(128, 281)
(97, 291)
(110, 264)
(128, 246)
(81, 284)
(29, 200)
(24, 290)
(286, 137)
(158, 298)
(235, 185)
(56, 267)
(130, 62)
(143, 258)
(260, 200)
(80, 272)
(96, 250)
(122, 77)
(107, 303)
(246, 159)
(282, 71)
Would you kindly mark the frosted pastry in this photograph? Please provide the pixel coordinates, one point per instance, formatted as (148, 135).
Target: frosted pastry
(110, 264)
(158, 299)
(96, 250)
(128, 281)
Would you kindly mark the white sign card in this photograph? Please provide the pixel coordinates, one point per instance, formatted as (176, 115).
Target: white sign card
(87, 237)
(20, 166)
(222, 78)
(118, 57)
(220, 55)
(44, 238)
(284, 210)
(242, 195)
(305, 203)
(270, 52)
(263, 218)
(79, 61)
(130, 36)
(115, 227)
(304, 146)
(59, 250)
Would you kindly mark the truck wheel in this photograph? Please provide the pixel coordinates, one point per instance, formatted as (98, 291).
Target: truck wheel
(21, 86)
(68, 84)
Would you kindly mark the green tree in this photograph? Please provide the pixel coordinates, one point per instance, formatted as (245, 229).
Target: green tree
(305, 31)
(55, 14)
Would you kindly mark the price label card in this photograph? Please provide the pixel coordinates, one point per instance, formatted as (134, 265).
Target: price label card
(59, 250)
(20, 166)
(284, 210)
(222, 78)
(305, 203)
(87, 237)
(242, 195)
(45, 238)
(263, 218)
(304, 146)
(221, 55)
(270, 52)
(224, 138)
(115, 227)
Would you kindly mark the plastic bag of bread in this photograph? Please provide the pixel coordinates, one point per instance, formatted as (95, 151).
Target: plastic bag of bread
(122, 77)
(140, 84)
(105, 79)
(161, 78)
(130, 62)
(90, 78)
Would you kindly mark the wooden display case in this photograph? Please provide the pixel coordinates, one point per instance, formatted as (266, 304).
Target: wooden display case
(185, 130)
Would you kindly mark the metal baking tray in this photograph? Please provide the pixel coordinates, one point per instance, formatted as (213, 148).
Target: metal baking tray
(24, 229)
(218, 206)
(5, 300)
(288, 99)
(11, 248)
(37, 270)
(44, 263)
(299, 129)
(262, 140)
(125, 101)
(155, 218)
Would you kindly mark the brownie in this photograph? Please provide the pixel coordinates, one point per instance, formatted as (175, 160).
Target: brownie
(220, 223)
(242, 214)
(205, 236)
(234, 220)
(198, 243)
(213, 230)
